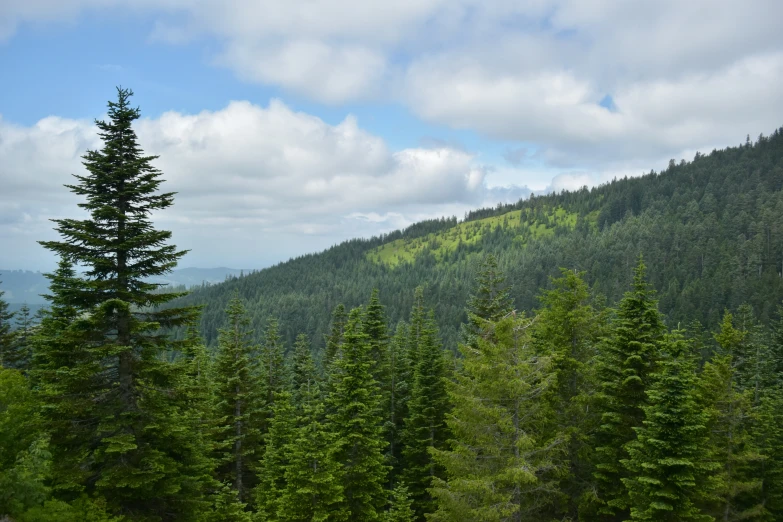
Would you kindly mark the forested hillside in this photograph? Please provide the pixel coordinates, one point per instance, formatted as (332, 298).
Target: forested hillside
(711, 231)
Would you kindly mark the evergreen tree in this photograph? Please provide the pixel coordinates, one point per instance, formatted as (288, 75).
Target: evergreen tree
(313, 480)
(8, 355)
(416, 322)
(490, 302)
(730, 407)
(377, 330)
(130, 448)
(425, 425)
(304, 377)
(770, 441)
(24, 327)
(400, 506)
(669, 462)
(399, 387)
(567, 330)
(498, 457)
(625, 366)
(237, 434)
(356, 424)
(274, 376)
(335, 338)
(276, 459)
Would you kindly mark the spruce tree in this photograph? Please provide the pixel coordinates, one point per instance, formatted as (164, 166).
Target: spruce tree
(237, 403)
(399, 388)
(24, 329)
(496, 464)
(625, 366)
(669, 462)
(400, 506)
(273, 372)
(313, 479)
(336, 330)
(567, 330)
(377, 330)
(276, 459)
(130, 448)
(356, 425)
(416, 322)
(425, 424)
(490, 302)
(304, 377)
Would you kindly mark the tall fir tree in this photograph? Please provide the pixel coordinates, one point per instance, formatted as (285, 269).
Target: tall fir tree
(131, 449)
(237, 403)
(357, 425)
(670, 462)
(498, 457)
(334, 339)
(276, 459)
(377, 330)
(567, 330)
(399, 388)
(304, 376)
(313, 479)
(24, 330)
(425, 425)
(625, 366)
(400, 506)
(490, 301)
(418, 317)
(7, 342)
(273, 371)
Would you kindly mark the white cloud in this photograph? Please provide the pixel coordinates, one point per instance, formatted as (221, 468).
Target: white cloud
(254, 183)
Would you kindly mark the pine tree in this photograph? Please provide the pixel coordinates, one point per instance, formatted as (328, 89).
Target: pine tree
(400, 380)
(304, 377)
(669, 462)
(7, 342)
(416, 322)
(335, 338)
(356, 423)
(498, 456)
(377, 330)
(313, 480)
(425, 424)
(237, 403)
(400, 506)
(131, 449)
(730, 407)
(625, 365)
(490, 302)
(273, 370)
(276, 459)
(24, 327)
(567, 330)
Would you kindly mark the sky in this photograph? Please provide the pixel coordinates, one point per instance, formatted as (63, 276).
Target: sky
(288, 126)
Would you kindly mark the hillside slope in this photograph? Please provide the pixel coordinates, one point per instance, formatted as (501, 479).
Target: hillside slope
(711, 232)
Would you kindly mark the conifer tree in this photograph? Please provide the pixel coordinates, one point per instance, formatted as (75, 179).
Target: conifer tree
(669, 462)
(496, 463)
(738, 495)
(237, 403)
(130, 448)
(7, 344)
(356, 423)
(313, 480)
(770, 442)
(425, 424)
(276, 459)
(625, 366)
(336, 330)
(273, 371)
(400, 506)
(416, 322)
(490, 302)
(399, 387)
(304, 377)
(567, 330)
(377, 330)
(22, 349)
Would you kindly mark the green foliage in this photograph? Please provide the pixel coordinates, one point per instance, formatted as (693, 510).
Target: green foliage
(498, 454)
(425, 424)
(568, 329)
(8, 355)
(335, 338)
(237, 433)
(400, 509)
(399, 384)
(276, 459)
(490, 302)
(624, 372)
(669, 462)
(356, 424)
(101, 352)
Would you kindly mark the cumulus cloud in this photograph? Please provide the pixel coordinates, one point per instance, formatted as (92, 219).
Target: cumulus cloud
(249, 178)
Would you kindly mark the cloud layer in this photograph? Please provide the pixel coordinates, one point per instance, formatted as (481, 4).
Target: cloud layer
(250, 178)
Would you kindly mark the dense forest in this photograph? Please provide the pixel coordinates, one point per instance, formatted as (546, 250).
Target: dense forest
(604, 355)
(711, 231)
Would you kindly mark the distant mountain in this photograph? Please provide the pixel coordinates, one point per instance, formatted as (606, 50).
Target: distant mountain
(25, 286)
(710, 230)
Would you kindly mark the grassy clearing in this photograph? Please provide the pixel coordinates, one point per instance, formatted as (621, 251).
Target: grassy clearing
(528, 227)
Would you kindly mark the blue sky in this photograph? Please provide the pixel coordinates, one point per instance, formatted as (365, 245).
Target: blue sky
(301, 124)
